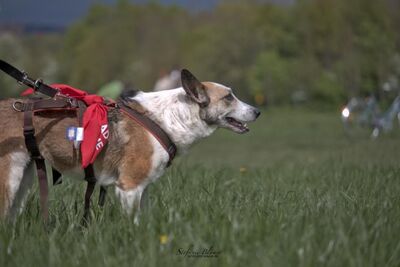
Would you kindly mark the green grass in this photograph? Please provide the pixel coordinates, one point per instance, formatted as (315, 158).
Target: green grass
(306, 196)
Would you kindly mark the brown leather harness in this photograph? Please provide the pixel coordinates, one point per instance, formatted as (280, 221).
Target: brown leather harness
(62, 103)
(59, 102)
(32, 106)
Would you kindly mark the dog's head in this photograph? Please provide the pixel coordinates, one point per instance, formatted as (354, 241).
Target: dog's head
(218, 105)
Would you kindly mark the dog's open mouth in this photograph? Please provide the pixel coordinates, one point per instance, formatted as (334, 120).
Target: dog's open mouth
(236, 125)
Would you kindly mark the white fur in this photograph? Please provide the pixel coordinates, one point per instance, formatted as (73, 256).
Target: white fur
(159, 160)
(181, 121)
(18, 183)
(242, 111)
(22, 192)
(19, 161)
(132, 199)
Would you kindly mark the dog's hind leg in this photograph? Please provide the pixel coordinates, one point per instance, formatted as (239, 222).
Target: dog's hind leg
(12, 166)
(22, 193)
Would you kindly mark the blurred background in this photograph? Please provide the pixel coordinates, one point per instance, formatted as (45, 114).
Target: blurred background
(302, 188)
(277, 52)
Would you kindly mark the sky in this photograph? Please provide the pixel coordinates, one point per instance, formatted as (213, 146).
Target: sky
(61, 13)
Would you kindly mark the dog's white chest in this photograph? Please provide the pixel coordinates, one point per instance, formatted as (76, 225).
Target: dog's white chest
(159, 160)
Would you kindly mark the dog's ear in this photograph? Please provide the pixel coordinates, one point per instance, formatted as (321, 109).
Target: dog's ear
(194, 89)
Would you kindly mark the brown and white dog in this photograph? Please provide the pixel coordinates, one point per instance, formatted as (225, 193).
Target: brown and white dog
(133, 158)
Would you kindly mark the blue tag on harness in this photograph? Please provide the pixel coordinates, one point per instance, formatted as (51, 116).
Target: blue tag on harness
(74, 133)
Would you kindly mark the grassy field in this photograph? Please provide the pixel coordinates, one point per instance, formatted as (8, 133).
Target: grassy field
(293, 192)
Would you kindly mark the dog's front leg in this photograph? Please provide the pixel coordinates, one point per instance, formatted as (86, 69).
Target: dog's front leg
(131, 200)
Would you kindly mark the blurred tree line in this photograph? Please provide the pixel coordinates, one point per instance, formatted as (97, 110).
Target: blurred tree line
(314, 51)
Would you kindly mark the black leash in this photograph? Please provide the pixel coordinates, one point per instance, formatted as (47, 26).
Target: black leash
(23, 78)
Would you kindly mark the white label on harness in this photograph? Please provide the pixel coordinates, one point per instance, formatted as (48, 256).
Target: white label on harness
(75, 133)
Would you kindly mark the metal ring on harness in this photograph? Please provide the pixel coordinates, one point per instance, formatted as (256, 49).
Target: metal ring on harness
(15, 107)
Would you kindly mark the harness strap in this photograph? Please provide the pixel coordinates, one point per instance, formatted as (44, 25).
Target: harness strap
(46, 104)
(153, 128)
(102, 196)
(29, 134)
(22, 77)
(31, 145)
(89, 171)
(91, 183)
(43, 187)
(81, 111)
(29, 108)
(37, 105)
(74, 104)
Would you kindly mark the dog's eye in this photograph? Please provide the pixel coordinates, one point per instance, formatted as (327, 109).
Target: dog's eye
(229, 97)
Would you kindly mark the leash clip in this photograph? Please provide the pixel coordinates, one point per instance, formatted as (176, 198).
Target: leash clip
(24, 78)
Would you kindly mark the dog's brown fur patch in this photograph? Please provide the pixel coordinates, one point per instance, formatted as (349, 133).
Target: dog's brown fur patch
(215, 91)
(128, 153)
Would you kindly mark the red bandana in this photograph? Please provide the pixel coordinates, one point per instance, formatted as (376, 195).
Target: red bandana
(95, 124)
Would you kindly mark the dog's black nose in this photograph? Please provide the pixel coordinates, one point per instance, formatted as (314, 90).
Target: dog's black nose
(257, 112)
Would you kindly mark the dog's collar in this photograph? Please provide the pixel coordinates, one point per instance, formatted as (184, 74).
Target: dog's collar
(147, 123)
